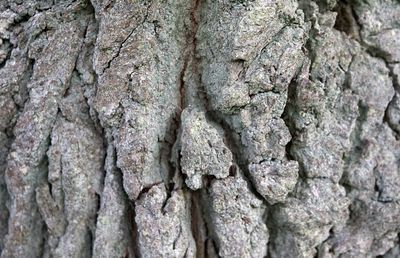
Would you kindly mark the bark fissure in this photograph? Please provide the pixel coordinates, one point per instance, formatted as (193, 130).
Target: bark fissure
(348, 22)
(122, 43)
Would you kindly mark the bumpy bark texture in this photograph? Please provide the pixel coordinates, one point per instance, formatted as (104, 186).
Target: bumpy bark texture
(199, 128)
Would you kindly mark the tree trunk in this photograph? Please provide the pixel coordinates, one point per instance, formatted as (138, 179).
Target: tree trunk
(199, 128)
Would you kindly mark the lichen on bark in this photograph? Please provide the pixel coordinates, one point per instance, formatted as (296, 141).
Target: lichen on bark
(200, 128)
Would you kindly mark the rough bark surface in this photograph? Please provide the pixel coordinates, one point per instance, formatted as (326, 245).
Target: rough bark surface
(199, 128)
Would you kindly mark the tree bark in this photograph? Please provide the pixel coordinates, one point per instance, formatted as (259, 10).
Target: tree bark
(199, 128)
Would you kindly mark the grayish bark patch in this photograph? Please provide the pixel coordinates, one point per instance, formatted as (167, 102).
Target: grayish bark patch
(200, 128)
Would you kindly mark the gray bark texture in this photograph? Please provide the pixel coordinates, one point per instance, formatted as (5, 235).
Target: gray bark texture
(200, 128)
